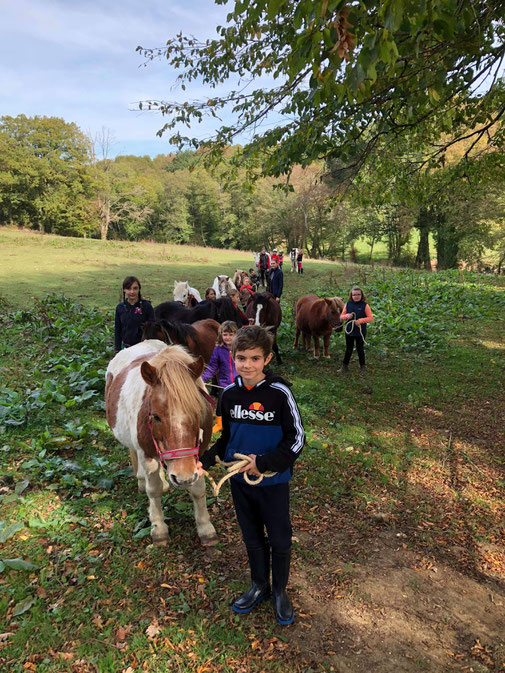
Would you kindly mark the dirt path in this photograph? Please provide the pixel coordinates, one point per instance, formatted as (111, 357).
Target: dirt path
(397, 613)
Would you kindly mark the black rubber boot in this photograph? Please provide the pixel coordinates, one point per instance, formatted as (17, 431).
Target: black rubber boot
(343, 369)
(280, 574)
(259, 562)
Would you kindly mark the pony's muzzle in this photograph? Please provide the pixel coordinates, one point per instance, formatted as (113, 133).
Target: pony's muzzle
(181, 482)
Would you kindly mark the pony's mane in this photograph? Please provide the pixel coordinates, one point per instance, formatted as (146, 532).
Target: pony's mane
(172, 367)
(338, 302)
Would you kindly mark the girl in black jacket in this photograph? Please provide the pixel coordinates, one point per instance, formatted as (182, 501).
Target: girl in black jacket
(131, 314)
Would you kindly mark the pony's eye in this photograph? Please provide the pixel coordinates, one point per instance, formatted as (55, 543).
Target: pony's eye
(156, 418)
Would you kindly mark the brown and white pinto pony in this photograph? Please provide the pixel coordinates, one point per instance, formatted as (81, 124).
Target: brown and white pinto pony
(316, 318)
(154, 403)
(200, 338)
(263, 309)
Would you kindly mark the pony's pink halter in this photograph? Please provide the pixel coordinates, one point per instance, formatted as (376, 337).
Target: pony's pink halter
(183, 452)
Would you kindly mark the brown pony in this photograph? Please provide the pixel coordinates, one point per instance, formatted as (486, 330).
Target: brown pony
(157, 407)
(199, 338)
(317, 317)
(263, 309)
(238, 278)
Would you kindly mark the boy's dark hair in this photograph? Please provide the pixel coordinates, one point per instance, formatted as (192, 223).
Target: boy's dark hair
(252, 336)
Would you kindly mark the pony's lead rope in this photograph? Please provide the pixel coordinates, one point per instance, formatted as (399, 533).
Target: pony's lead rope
(352, 323)
(232, 467)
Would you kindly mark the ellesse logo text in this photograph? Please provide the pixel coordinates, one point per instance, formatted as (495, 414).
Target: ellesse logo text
(258, 414)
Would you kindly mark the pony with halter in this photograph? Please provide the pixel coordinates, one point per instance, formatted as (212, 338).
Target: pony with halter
(263, 309)
(157, 407)
(186, 294)
(222, 285)
(316, 318)
(199, 338)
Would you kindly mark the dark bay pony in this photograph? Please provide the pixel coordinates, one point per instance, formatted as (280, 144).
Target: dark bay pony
(263, 309)
(220, 309)
(199, 338)
(156, 407)
(316, 318)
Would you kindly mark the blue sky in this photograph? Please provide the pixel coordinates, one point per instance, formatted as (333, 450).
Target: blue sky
(77, 60)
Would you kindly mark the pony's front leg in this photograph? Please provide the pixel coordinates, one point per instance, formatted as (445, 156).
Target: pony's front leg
(154, 490)
(204, 528)
(326, 345)
(316, 346)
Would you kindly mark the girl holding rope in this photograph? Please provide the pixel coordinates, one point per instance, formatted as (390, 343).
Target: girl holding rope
(357, 313)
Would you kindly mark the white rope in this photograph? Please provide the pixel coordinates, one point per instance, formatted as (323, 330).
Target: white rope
(352, 323)
(233, 467)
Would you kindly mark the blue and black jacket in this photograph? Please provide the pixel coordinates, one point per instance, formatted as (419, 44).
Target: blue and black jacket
(358, 308)
(276, 282)
(265, 421)
(128, 322)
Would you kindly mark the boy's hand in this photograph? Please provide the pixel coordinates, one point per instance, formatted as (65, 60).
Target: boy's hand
(199, 468)
(251, 467)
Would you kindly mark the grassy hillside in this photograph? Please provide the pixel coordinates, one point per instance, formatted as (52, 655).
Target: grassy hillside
(398, 497)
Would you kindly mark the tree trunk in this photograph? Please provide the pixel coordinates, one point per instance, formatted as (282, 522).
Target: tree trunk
(447, 244)
(423, 259)
(105, 216)
(371, 244)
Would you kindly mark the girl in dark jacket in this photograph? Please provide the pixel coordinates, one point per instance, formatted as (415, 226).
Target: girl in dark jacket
(358, 312)
(131, 314)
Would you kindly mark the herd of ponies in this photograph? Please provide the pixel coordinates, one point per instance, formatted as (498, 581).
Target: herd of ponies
(157, 405)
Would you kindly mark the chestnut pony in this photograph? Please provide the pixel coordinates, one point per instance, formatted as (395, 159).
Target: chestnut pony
(157, 407)
(316, 318)
(263, 309)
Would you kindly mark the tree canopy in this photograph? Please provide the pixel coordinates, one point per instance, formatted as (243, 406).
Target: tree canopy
(340, 79)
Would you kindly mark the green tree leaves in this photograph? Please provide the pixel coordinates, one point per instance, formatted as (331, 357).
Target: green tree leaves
(335, 71)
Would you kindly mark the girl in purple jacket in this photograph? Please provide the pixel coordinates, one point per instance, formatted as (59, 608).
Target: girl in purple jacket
(221, 360)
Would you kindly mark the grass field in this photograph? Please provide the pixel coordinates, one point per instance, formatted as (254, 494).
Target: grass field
(398, 497)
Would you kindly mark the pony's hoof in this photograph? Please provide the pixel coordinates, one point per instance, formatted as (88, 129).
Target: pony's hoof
(160, 541)
(327, 357)
(209, 541)
(316, 357)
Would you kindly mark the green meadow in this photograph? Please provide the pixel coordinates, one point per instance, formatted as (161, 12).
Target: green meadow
(397, 498)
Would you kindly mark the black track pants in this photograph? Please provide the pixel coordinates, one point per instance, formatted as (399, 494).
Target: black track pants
(260, 507)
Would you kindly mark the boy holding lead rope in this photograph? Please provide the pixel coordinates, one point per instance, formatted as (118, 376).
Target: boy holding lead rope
(260, 419)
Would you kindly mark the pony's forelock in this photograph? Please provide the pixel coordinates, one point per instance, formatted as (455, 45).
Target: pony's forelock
(172, 365)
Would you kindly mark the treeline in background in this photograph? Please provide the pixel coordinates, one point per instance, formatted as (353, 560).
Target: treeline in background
(55, 179)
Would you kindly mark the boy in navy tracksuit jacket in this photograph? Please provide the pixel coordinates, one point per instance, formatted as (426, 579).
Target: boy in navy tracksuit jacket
(261, 418)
